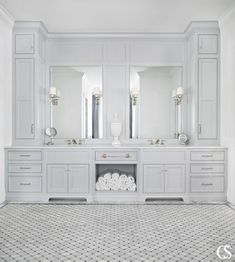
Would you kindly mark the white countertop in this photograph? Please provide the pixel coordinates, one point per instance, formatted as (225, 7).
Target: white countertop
(109, 146)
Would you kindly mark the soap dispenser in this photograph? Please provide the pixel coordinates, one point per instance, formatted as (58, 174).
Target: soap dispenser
(116, 128)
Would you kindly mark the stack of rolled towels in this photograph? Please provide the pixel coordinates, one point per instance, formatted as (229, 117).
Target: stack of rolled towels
(115, 181)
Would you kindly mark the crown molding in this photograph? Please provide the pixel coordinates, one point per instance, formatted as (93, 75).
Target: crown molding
(6, 16)
(31, 25)
(226, 15)
(199, 26)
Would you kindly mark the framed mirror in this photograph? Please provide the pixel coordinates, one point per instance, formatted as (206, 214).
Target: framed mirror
(155, 111)
(78, 112)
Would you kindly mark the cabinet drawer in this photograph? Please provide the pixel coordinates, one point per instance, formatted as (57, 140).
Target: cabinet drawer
(212, 184)
(163, 156)
(207, 156)
(24, 44)
(25, 155)
(24, 168)
(207, 168)
(24, 184)
(68, 157)
(116, 156)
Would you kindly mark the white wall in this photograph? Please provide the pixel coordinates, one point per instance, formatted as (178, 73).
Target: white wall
(6, 93)
(227, 26)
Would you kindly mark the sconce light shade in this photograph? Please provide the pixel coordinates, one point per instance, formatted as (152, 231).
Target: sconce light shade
(52, 91)
(179, 91)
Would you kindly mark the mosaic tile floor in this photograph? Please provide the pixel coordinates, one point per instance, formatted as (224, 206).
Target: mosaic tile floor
(115, 232)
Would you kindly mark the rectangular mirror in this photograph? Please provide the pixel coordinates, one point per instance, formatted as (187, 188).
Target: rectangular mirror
(78, 113)
(153, 112)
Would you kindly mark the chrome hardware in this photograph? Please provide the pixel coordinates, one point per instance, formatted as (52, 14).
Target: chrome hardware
(207, 184)
(207, 155)
(207, 168)
(25, 155)
(25, 168)
(25, 184)
(199, 128)
(128, 155)
(32, 129)
(104, 155)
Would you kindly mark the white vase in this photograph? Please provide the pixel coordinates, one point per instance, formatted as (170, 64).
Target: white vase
(116, 128)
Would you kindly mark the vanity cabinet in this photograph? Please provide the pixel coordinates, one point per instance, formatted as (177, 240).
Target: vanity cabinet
(67, 179)
(24, 174)
(164, 179)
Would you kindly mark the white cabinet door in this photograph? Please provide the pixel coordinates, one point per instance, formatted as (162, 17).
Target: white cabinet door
(24, 99)
(207, 99)
(24, 44)
(78, 179)
(153, 179)
(175, 178)
(57, 178)
(208, 44)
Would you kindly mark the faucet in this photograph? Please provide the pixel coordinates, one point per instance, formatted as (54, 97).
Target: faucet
(74, 141)
(157, 141)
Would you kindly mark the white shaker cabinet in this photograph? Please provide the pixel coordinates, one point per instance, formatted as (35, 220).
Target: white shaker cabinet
(24, 98)
(207, 98)
(24, 43)
(57, 179)
(67, 179)
(208, 44)
(164, 179)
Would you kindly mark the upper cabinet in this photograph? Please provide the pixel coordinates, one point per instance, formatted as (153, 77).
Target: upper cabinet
(208, 44)
(24, 43)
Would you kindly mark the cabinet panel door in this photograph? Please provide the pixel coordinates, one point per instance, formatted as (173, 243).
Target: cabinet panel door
(24, 78)
(175, 178)
(153, 179)
(208, 44)
(24, 99)
(208, 96)
(78, 179)
(24, 120)
(57, 179)
(24, 44)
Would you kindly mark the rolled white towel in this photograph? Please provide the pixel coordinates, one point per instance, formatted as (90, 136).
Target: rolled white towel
(123, 177)
(115, 176)
(131, 187)
(101, 180)
(98, 186)
(131, 179)
(107, 176)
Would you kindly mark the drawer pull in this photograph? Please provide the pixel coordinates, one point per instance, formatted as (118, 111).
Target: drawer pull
(207, 168)
(25, 155)
(207, 155)
(110, 156)
(25, 168)
(207, 184)
(25, 184)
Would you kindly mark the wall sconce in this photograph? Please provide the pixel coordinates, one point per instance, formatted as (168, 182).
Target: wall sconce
(98, 94)
(54, 95)
(135, 95)
(177, 95)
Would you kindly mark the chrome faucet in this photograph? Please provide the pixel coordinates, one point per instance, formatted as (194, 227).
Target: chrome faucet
(157, 141)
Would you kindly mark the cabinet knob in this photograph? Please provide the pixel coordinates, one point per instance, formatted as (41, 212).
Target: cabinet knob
(128, 155)
(104, 155)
